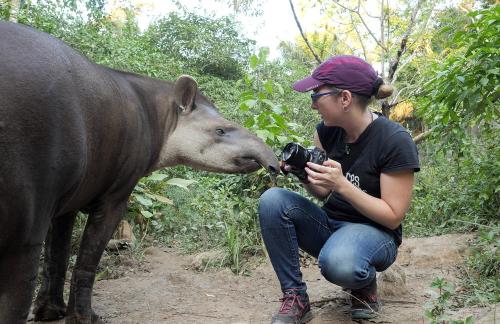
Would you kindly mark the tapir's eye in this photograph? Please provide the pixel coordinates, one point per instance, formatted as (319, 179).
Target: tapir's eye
(220, 132)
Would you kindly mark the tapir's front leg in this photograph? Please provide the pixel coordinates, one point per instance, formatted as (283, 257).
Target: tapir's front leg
(18, 269)
(98, 231)
(49, 304)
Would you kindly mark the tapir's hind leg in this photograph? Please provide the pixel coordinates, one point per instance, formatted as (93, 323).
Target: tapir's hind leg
(18, 270)
(49, 304)
(98, 231)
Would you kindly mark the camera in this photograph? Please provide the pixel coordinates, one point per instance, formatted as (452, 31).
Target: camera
(297, 157)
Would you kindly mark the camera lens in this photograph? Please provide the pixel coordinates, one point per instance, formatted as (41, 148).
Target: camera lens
(295, 155)
(287, 152)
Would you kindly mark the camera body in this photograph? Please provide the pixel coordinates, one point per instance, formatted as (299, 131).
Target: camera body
(297, 157)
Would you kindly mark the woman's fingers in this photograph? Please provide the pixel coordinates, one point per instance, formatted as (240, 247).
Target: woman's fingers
(322, 177)
(327, 166)
(332, 164)
(314, 177)
(317, 167)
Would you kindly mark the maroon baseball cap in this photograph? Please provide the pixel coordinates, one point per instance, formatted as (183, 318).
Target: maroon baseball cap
(345, 72)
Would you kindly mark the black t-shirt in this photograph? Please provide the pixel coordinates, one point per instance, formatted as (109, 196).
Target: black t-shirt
(384, 147)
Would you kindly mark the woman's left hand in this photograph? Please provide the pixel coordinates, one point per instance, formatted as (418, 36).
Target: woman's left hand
(329, 175)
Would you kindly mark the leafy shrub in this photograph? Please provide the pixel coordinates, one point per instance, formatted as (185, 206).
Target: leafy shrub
(459, 185)
(481, 273)
(5, 8)
(440, 303)
(456, 192)
(210, 46)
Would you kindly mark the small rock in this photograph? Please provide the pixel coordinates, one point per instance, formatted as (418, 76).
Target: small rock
(116, 245)
(392, 282)
(124, 232)
(152, 251)
(202, 260)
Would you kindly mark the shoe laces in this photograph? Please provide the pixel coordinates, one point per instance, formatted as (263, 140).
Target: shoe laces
(367, 294)
(289, 301)
(362, 298)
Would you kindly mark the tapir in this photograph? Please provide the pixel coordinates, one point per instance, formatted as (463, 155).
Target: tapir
(78, 136)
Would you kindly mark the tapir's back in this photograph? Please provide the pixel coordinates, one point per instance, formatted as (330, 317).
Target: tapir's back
(59, 124)
(41, 81)
(36, 65)
(42, 147)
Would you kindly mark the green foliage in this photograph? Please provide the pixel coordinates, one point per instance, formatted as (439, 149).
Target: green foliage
(146, 202)
(208, 45)
(5, 7)
(456, 192)
(486, 248)
(103, 41)
(216, 213)
(448, 22)
(463, 89)
(481, 275)
(440, 303)
(266, 117)
(458, 187)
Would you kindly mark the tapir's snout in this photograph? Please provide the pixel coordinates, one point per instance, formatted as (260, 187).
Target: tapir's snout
(261, 156)
(264, 158)
(272, 166)
(205, 140)
(273, 170)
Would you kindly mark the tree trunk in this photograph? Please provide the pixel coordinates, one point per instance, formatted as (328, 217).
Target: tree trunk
(382, 38)
(15, 7)
(386, 106)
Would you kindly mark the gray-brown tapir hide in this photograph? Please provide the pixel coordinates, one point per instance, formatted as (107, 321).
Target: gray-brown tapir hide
(77, 136)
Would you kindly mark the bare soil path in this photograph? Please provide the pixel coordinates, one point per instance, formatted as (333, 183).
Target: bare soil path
(165, 289)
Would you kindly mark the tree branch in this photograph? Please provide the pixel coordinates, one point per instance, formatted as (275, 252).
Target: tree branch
(15, 8)
(406, 62)
(359, 37)
(420, 137)
(404, 41)
(402, 48)
(425, 26)
(302, 33)
(362, 21)
(392, 104)
(322, 51)
(382, 37)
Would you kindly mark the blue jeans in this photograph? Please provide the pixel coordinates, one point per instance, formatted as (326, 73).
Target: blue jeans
(349, 254)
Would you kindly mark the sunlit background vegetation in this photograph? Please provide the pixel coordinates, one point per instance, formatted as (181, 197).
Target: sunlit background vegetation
(447, 81)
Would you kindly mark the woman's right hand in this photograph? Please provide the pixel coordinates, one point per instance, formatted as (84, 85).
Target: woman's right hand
(285, 168)
(299, 173)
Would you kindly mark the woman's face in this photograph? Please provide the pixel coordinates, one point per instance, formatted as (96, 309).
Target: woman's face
(327, 105)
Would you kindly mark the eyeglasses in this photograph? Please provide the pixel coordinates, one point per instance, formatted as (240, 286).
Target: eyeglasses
(316, 96)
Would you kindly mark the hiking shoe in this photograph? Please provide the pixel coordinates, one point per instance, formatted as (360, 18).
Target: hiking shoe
(295, 308)
(364, 302)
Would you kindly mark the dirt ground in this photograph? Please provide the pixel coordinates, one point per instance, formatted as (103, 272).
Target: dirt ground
(166, 289)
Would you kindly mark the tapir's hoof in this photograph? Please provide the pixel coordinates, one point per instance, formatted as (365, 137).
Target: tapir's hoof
(49, 311)
(79, 319)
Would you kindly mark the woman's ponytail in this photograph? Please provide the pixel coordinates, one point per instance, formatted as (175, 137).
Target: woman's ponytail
(384, 91)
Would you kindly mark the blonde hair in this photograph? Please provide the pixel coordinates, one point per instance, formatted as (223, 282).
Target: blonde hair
(385, 90)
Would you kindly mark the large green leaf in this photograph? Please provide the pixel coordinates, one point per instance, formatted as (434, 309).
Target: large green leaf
(182, 183)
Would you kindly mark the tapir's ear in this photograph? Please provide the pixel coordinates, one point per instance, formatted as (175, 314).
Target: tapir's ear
(185, 92)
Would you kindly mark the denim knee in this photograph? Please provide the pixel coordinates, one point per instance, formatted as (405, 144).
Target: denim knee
(271, 205)
(344, 269)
